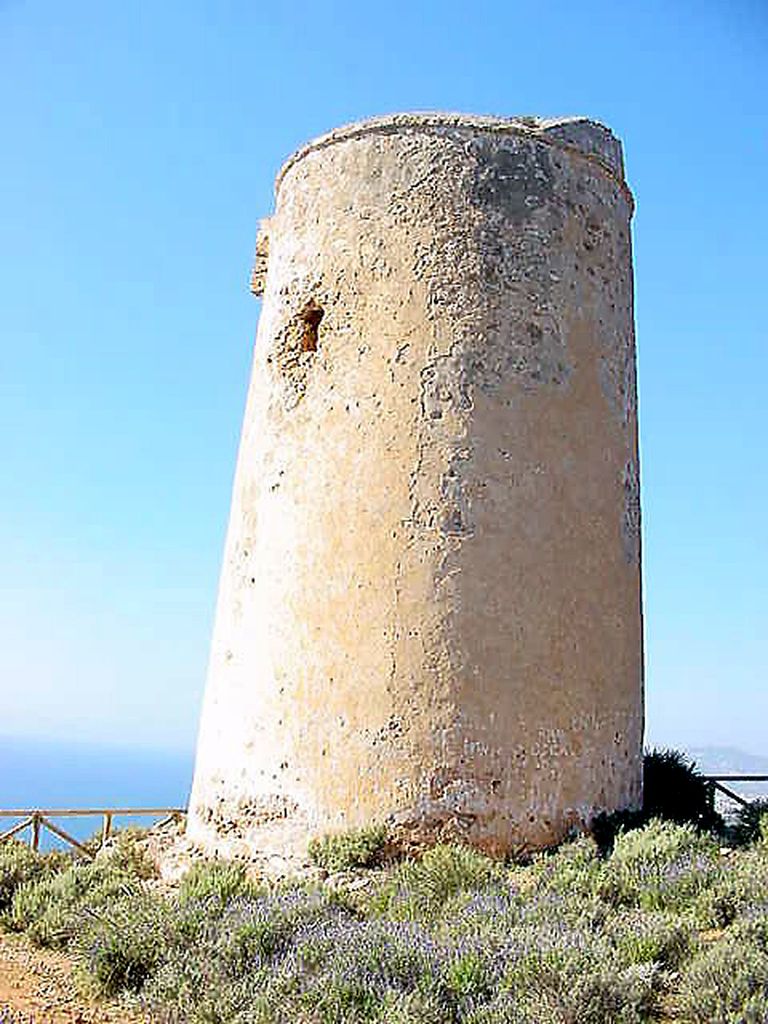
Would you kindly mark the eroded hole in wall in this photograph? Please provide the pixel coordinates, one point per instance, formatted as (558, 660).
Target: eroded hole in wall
(310, 317)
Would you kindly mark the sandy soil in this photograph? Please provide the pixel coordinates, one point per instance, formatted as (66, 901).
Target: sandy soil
(36, 987)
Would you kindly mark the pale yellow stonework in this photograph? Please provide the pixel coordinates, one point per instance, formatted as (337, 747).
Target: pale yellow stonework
(430, 608)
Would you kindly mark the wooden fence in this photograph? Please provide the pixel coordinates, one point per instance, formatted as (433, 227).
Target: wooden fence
(716, 784)
(36, 819)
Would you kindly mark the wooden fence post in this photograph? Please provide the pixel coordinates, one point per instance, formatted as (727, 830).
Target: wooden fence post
(37, 818)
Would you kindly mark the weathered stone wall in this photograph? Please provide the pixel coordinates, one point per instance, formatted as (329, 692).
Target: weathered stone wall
(429, 610)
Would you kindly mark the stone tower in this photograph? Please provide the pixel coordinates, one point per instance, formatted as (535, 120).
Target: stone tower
(430, 607)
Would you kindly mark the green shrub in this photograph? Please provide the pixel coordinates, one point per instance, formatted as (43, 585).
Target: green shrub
(451, 938)
(558, 960)
(125, 851)
(728, 983)
(350, 969)
(257, 956)
(52, 910)
(360, 848)
(740, 887)
(577, 981)
(487, 916)
(674, 790)
(574, 869)
(120, 945)
(746, 827)
(422, 887)
(661, 866)
(411, 1008)
(339, 998)
(19, 864)
(643, 937)
(215, 883)
(604, 827)
(470, 978)
(255, 931)
(187, 988)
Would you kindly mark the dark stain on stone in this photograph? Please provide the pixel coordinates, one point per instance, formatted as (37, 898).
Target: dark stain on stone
(515, 179)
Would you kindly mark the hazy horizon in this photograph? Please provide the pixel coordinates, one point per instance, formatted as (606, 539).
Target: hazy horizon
(187, 751)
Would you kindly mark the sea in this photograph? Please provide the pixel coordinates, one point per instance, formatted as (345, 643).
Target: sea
(49, 774)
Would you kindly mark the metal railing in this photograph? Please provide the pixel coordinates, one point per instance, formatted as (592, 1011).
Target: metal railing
(36, 819)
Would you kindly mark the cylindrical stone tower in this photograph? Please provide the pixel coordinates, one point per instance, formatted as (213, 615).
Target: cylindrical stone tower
(430, 607)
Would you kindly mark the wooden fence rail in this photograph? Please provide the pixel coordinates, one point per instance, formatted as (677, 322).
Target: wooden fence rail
(716, 783)
(35, 819)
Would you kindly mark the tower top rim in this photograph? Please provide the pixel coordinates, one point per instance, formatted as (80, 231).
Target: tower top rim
(578, 134)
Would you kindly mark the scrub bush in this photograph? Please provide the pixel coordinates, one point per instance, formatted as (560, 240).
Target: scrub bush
(125, 851)
(739, 888)
(51, 910)
(122, 944)
(574, 869)
(215, 883)
(361, 848)
(646, 937)
(19, 865)
(728, 983)
(661, 866)
(574, 937)
(421, 887)
(746, 827)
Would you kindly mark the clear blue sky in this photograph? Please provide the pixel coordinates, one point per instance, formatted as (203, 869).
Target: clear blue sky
(139, 143)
